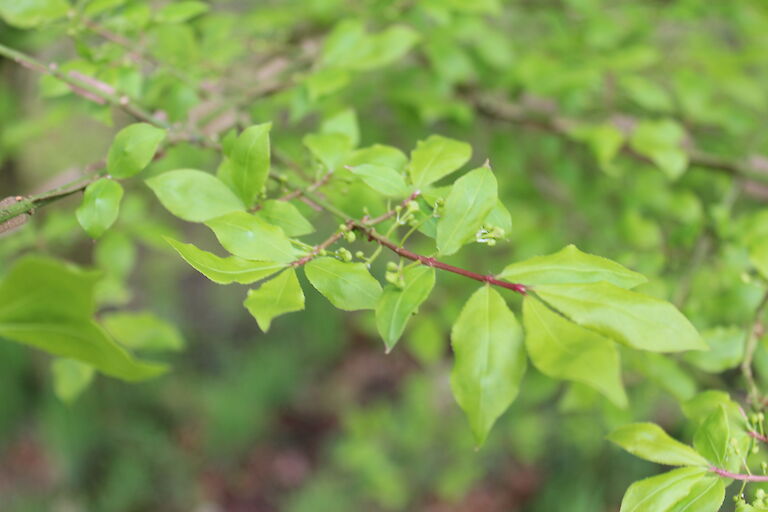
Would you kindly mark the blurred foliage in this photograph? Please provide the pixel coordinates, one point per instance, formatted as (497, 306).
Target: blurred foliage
(629, 128)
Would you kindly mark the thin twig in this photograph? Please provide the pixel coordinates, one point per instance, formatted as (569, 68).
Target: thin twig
(755, 333)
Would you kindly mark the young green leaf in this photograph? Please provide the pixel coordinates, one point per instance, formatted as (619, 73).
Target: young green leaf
(194, 196)
(435, 158)
(329, 148)
(570, 265)
(563, 350)
(758, 256)
(143, 331)
(706, 495)
(639, 321)
(489, 360)
(712, 437)
(180, 12)
(381, 179)
(252, 238)
(224, 270)
(286, 216)
(661, 493)
(32, 13)
(661, 141)
(70, 378)
(499, 217)
(649, 441)
(378, 154)
(49, 305)
(100, 206)
(133, 148)
(726, 349)
(276, 297)
(349, 286)
(345, 123)
(388, 46)
(471, 199)
(249, 162)
(396, 304)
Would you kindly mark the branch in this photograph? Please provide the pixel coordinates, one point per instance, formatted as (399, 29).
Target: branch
(553, 122)
(432, 262)
(739, 476)
(755, 332)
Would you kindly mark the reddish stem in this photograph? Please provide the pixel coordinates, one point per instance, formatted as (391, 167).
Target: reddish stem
(758, 436)
(432, 262)
(739, 476)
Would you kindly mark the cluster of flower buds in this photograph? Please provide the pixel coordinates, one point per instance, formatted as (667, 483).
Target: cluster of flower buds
(407, 214)
(394, 275)
(343, 254)
(488, 235)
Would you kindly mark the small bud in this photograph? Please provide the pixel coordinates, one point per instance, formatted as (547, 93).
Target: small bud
(349, 236)
(760, 494)
(323, 252)
(391, 277)
(343, 228)
(439, 202)
(392, 266)
(491, 242)
(344, 254)
(360, 255)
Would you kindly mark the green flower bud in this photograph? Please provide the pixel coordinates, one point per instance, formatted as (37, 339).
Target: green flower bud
(349, 236)
(392, 266)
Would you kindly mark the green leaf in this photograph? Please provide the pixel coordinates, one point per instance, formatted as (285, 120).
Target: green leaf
(649, 441)
(701, 406)
(276, 297)
(661, 493)
(143, 331)
(726, 349)
(32, 13)
(712, 437)
(563, 350)
(706, 495)
(471, 199)
(224, 270)
(638, 321)
(49, 305)
(605, 141)
(388, 46)
(133, 149)
(381, 179)
(251, 237)
(758, 256)
(396, 304)
(378, 154)
(345, 123)
(179, 12)
(435, 158)
(100, 206)
(344, 45)
(249, 159)
(570, 265)
(499, 217)
(665, 372)
(329, 148)
(286, 216)
(349, 286)
(194, 196)
(70, 378)
(489, 359)
(661, 141)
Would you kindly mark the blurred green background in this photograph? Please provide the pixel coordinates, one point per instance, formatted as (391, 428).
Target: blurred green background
(313, 416)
